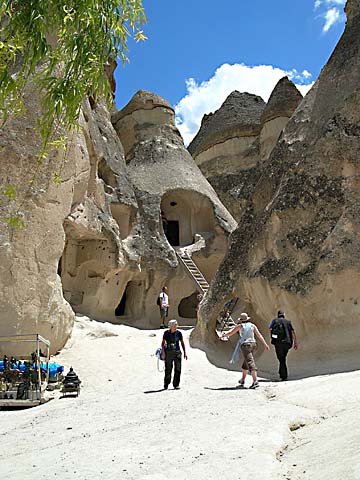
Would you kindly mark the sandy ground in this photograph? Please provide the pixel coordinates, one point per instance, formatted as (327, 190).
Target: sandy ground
(123, 426)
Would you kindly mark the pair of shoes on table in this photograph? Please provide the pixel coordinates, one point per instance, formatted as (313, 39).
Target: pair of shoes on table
(255, 385)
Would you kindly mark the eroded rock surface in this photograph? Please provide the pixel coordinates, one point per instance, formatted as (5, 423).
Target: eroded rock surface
(297, 246)
(95, 243)
(57, 253)
(233, 141)
(282, 103)
(227, 148)
(166, 179)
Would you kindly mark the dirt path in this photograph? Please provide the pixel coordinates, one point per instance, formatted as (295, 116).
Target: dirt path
(124, 427)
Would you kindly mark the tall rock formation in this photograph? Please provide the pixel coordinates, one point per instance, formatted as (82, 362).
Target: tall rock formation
(297, 246)
(166, 179)
(95, 244)
(282, 103)
(227, 148)
(233, 141)
(31, 296)
(97, 261)
(74, 215)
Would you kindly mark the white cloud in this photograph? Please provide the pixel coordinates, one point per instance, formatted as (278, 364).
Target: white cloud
(330, 12)
(303, 89)
(207, 96)
(318, 3)
(306, 74)
(332, 16)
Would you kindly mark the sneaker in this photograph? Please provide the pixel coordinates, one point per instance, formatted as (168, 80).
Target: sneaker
(177, 388)
(165, 387)
(241, 383)
(255, 385)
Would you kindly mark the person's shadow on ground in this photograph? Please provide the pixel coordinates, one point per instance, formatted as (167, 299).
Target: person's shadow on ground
(237, 387)
(155, 391)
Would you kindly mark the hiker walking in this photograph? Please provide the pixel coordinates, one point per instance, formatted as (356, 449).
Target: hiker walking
(171, 354)
(282, 335)
(247, 344)
(163, 302)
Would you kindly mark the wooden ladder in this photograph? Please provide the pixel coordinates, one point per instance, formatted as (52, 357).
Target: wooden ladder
(193, 271)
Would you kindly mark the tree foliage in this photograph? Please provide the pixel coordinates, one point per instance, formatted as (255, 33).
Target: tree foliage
(63, 46)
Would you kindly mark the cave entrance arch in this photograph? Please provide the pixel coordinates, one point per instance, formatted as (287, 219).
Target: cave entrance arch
(131, 301)
(184, 214)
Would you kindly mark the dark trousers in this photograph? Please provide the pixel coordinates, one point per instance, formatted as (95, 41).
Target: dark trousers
(281, 351)
(172, 357)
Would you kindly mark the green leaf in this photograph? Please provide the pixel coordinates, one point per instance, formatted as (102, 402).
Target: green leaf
(15, 222)
(57, 179)
(10, 192)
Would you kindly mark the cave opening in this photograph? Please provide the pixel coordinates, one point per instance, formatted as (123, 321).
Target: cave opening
(172, 233)
(120, 309)
(188, 306)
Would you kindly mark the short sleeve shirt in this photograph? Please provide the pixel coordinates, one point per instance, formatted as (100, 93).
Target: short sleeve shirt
(164, 298)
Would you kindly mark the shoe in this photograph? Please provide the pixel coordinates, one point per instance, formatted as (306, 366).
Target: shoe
(177, 388)
(165, 387)
(162, 326)
(284, 379)
(255, 385)
(241, 383)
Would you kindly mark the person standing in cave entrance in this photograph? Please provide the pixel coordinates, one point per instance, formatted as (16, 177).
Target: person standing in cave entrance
(164, 306)
(171, 354)
(282, 335)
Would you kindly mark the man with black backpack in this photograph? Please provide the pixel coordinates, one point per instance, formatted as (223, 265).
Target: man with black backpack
(282, 335)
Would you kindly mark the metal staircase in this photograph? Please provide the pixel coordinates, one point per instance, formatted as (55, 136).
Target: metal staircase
(193, 271)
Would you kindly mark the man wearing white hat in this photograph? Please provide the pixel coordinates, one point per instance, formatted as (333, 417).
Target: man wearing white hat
(171, 353)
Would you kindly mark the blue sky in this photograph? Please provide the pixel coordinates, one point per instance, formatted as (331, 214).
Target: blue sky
(198, 51)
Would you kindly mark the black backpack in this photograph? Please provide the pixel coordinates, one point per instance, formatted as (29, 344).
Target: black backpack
(158, 301)
(278, 332)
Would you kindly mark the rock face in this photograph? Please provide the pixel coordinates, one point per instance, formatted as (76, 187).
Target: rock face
(282, 103)
(95, 243)
(238, 116)
(74, 216)
(297, 246)
(227, 148)
(96, 260)
(232, 142)
(166, 179)
(116, 260)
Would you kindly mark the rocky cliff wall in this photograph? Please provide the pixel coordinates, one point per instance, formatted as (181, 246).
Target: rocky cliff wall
(233, 141)
(297, 246)
(95, 243)
(282, 103)
(166, 179)
(227, 148)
